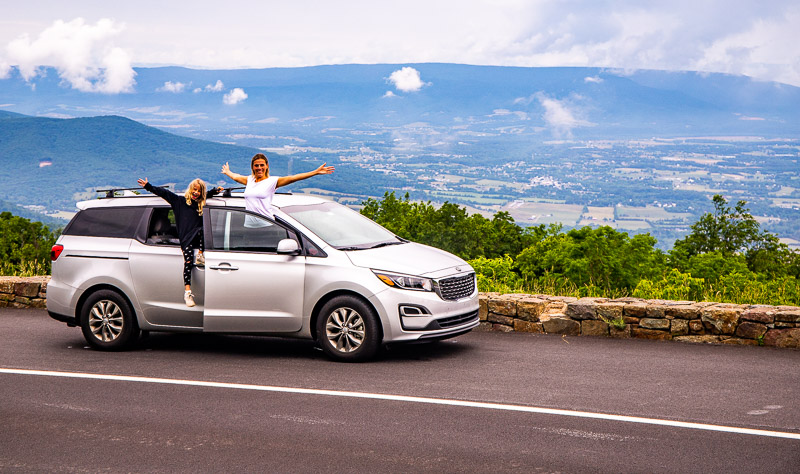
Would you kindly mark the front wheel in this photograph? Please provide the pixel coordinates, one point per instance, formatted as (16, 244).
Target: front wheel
(107, 321)
(348, 330)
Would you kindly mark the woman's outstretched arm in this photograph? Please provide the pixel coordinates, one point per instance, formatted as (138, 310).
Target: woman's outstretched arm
(226, 170)
(284, 180)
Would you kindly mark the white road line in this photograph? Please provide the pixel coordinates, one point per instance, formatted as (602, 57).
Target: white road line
(409, 399)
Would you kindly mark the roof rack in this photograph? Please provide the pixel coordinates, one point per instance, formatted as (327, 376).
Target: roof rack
(226, 192)
(129, 192)
(110, 193)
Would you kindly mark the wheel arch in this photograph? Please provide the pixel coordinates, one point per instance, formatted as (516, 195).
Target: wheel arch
(315, 313)
(98, 287)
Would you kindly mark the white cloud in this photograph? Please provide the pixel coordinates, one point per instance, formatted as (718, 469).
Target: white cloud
(234, 97)
(174, 87)
(593, 79)
(407, 79)
(197, 90)
(267, 120)
(561, 115)
(218, 87)
(389, 94)
(82, 54)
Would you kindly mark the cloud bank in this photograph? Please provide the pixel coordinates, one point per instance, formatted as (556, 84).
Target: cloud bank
(82, 54)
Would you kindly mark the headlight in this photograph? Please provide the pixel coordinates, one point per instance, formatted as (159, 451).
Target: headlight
(405, 282)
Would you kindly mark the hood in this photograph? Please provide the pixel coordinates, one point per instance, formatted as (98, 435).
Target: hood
(409, 258)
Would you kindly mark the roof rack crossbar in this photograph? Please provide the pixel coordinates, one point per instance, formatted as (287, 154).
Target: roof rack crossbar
(111, 192)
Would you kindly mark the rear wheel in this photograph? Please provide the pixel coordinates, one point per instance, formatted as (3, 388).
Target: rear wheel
(107, 321)
(348, 330)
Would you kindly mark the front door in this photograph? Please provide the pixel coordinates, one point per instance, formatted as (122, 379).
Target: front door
(249, 287)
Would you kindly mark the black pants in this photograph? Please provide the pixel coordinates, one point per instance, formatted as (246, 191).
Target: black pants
(188, 257)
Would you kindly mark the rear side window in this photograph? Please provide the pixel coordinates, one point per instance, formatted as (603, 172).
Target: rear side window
(106, 222)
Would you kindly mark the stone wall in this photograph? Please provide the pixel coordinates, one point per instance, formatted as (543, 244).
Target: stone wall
(687, 321)
(23, 292)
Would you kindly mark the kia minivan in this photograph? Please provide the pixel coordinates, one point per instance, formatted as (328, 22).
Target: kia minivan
(319, 270)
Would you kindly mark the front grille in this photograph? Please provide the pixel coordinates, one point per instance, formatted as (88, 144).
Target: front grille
(457, 320)
(456, 288)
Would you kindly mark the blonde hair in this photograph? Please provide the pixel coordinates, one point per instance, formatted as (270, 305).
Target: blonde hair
(202, 200)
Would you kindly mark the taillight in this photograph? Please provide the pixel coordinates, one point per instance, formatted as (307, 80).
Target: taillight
(55, 252)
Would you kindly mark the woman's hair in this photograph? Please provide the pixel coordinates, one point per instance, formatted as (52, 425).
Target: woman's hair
(258, 156)
(201, 201)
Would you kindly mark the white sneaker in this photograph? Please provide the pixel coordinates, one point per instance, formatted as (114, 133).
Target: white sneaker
(200, 259)
(188, 297)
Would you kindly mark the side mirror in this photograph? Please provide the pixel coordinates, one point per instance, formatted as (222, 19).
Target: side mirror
(288, 246)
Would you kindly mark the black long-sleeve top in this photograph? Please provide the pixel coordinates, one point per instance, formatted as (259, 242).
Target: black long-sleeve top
(187, 220)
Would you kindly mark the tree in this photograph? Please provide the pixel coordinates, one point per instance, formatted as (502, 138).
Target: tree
(24, 245)
(728, 232)
(601, 257)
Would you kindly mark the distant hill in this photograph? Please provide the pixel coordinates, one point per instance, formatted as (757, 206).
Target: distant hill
(50, 161)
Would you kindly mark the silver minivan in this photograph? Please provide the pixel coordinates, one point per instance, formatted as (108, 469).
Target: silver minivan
(319, 270)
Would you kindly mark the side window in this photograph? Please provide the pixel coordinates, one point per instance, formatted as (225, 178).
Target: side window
(162, 230)
(240, 231)
(106, 222)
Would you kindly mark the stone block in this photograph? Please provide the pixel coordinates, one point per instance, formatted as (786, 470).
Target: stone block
(506, 307)
(722, 319)
(611, 310)
(38, 303)
(502, 328)
(696, 326)
(27, 289)
(788, 316)
(623, 333)
(655, 311)
(483, 307)
(7, 285)
(483, 326)
(594, 328)
(528, 326)
(584, 308)
(631, 320)
(651, 334)
(737, 341)
(705, 339)
(653, 323)
(750, 330)
(789, 338)
(23, 301)
(500, 319)
(635, 310)
(529, 309)
(760, 314)
(679, 327)
(683, 312)
(562, 326)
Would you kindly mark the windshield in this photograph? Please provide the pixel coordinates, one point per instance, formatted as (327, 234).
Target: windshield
(341, 226)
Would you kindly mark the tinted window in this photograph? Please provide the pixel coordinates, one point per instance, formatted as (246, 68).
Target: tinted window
(106, 222)
(238, 230)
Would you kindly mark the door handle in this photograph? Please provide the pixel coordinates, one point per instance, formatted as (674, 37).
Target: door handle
(223, 266)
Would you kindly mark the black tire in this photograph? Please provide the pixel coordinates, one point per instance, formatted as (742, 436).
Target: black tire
(107, 321)
(348, 330)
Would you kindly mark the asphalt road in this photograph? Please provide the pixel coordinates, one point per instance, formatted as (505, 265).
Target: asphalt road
(483, 402)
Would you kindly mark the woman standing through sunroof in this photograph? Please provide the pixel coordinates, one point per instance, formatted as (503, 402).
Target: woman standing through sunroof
(260, 186)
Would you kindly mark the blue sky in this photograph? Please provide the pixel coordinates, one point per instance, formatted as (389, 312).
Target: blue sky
(95, 43)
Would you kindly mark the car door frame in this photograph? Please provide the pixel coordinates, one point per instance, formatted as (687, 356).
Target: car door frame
(252, 291)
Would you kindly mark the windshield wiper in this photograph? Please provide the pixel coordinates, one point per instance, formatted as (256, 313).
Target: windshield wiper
(349, 248)
(384, 244)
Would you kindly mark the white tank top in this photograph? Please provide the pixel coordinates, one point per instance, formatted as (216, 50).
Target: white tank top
(258, 196)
